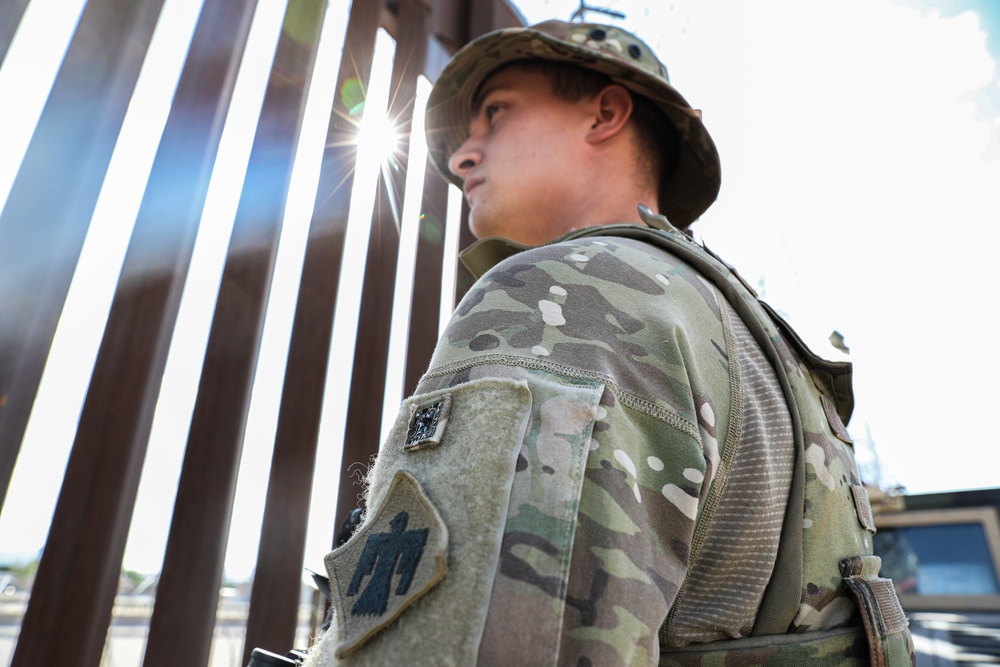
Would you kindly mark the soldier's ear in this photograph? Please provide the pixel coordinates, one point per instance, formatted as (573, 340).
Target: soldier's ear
(612, 107)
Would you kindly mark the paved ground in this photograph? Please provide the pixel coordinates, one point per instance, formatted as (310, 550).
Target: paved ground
(127, 643)
(942, 639)
(127, 636)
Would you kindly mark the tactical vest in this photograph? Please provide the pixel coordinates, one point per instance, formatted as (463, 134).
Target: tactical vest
(821, 511)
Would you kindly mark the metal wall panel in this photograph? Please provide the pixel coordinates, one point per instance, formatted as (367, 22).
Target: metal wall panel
(275, 596)
(44, 222)
(77, 579)
(364, 415)
(425, 304)
(41, 234)
(11, 12)
(188, 589)
(74, 589)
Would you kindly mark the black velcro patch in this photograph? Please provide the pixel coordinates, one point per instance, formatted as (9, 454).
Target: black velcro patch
(389, 562)
(427, 423)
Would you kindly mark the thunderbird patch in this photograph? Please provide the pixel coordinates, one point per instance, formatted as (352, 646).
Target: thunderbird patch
(389, 562)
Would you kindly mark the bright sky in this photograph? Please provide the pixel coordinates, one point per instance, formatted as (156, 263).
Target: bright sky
(860, 143)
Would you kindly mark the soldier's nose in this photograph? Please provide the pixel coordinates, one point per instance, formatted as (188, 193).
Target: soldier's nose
(464, 159)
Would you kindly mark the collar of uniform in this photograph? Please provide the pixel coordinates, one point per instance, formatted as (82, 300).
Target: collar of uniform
(486, 253)
(660, 222)
(483, 255)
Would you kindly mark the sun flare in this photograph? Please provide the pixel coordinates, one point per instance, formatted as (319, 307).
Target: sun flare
(380, 139)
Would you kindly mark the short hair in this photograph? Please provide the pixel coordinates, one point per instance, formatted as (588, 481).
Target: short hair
(657, 145)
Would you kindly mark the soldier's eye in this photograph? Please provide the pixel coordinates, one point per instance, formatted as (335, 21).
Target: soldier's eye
(492, 110)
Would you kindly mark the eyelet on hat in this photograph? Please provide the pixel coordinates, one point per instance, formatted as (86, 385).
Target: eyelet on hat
(598, 34)
(634, 51)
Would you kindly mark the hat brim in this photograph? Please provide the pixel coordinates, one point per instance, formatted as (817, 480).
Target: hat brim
(696, 179)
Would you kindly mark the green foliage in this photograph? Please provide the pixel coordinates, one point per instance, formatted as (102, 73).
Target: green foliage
(25, 571)
(133, 576)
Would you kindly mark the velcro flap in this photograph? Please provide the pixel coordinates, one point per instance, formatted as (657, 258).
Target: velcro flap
(414, 583)
(836, 425)
(863, 507)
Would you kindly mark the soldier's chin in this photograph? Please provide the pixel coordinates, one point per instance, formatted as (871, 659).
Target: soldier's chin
(477, 225)
(482, 225)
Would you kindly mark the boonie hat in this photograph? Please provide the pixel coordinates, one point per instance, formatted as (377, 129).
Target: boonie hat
(618, 54)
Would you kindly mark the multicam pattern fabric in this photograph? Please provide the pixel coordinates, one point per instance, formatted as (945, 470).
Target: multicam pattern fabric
(643, 452)
(827, 528)
(609, 50)
(721, 594)
(616, 501)
(674, 424)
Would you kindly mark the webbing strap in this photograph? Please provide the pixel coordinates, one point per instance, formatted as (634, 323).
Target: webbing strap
(889, 640)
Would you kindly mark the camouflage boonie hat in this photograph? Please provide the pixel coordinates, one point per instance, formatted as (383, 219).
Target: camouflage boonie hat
(611, 51)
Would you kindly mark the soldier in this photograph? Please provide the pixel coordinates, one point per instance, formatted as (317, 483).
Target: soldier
(618, 454)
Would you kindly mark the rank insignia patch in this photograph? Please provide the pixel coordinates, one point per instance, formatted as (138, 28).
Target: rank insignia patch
(389, 562)
(427, 423)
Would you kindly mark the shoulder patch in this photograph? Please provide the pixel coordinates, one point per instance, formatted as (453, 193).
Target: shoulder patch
(389, 562)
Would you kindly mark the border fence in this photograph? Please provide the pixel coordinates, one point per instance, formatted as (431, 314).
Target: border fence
(186, 192)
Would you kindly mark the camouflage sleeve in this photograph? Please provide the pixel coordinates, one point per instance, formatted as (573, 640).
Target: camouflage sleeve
(597, 531)
(591, 562)
(564, 438)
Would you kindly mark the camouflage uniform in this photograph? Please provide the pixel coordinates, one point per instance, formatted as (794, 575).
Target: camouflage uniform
(640, 455)
(617, 456)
